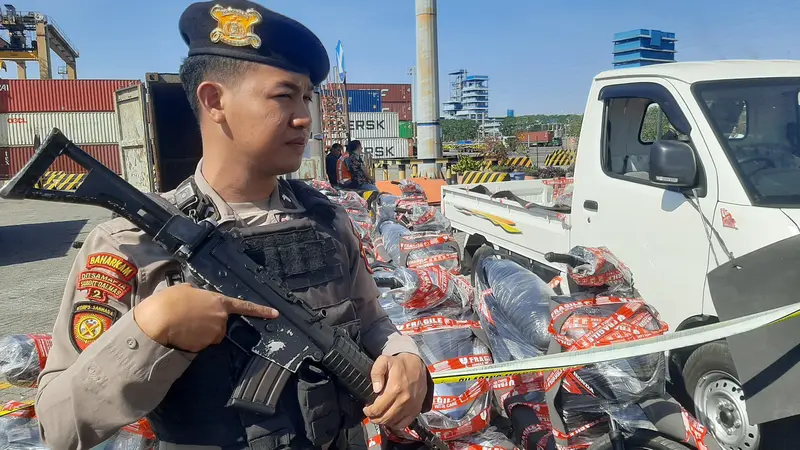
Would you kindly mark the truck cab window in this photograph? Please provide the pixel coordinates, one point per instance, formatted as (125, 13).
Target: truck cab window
(632, 125)
(756, 122)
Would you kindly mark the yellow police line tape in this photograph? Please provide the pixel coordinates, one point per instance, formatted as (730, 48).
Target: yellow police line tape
(60, 181)
(663, 343)
(24, 405)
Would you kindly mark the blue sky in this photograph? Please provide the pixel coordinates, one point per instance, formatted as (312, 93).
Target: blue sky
(540, 56)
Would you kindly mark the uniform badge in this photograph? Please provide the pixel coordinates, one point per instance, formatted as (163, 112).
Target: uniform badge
(99, 286)
(89, 322)
(114, 263)
(235, 27)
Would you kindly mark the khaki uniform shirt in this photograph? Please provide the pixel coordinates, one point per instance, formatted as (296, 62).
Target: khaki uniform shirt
(99, 378)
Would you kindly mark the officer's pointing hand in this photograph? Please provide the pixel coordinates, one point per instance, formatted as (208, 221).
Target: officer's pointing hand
(191, 319)
(402, 382)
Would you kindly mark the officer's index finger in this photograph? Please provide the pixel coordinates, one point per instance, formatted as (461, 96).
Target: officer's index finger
(245, 308)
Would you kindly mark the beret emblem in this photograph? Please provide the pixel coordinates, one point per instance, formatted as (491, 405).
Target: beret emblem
(235, 26)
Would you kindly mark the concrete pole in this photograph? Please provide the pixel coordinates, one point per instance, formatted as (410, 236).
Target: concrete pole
(429, 144)
(317, 150)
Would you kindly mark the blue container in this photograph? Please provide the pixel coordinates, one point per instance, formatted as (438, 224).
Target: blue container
(517, 176)
(363, 100)
(509, 113)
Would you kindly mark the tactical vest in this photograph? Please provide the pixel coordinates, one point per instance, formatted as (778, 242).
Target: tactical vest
(309, 256)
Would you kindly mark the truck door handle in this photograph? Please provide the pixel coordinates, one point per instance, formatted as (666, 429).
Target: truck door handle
(590, 205)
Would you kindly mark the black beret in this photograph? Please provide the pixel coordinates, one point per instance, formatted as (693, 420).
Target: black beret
(247, 31)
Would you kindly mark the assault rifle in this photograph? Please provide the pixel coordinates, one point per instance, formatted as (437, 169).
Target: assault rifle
(217, 258)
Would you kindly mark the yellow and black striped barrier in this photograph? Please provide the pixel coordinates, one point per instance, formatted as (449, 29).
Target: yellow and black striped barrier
(517, 161)
(485, 177)
(560, 158)
(60, 181)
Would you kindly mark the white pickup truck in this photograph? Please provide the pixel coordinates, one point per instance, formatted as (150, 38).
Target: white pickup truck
(722, 179)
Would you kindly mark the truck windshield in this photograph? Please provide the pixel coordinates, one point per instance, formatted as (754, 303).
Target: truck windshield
(757, 123)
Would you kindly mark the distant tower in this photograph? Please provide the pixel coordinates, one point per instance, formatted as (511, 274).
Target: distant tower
(469, 97)
(637, 48)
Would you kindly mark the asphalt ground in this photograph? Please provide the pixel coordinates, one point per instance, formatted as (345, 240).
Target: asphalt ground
(36, 254)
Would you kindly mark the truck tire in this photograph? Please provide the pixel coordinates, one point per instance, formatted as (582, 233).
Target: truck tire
(712, 383)
(640, 440)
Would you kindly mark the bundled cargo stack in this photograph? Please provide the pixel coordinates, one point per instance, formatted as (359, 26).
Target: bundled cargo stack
(83, 109)
(417, 267)
(22, 358)
(506, 312)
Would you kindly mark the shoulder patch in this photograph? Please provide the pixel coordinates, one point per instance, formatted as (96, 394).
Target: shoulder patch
(116, 264)
(89, 321)
(99, 286)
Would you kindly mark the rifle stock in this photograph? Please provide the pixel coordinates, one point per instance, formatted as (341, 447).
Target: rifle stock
(217, 258)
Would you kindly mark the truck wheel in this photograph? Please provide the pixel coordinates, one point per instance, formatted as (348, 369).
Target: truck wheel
(640, 440)
(713, 384)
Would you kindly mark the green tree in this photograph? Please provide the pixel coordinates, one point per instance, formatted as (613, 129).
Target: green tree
(459, 130)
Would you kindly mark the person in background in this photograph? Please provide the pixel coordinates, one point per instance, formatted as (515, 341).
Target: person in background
(330, 163)
(351, 171)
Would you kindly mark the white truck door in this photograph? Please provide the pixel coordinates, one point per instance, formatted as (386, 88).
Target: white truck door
(137, 165)
(655, 231)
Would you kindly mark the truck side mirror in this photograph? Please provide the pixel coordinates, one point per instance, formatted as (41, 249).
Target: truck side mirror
(673, 163)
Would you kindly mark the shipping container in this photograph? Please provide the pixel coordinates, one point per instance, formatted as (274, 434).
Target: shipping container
(59, 95)
(395, 93)
(363, 101)
(374, 125)
(107, 154)
(5, 164)
(403, 109)
(20, 129)
(387, 148)
(534, 137)
(406, 130)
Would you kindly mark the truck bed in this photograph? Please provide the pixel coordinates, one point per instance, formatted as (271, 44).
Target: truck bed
(496, 212)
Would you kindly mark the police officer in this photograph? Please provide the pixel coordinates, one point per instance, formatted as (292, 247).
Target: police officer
(137, 337)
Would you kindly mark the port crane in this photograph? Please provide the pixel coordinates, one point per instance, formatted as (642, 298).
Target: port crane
(32, 35)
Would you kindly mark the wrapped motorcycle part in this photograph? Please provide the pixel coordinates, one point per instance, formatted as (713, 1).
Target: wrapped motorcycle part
(136, 436)
(352, 198)
(363, 230)
(19, 429)
(489, 439)
(602, 270)
(513, 306)
(423, 217)
(564, 198)
(396, 287)
(670, 419)
(525, 405)
(391, 233)
(324, 187)
(459, 409)
(428, 288)
(411, 189)
(581, 429)
(562, 190)
(591, 322)
(22, 358)
(423, 249)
